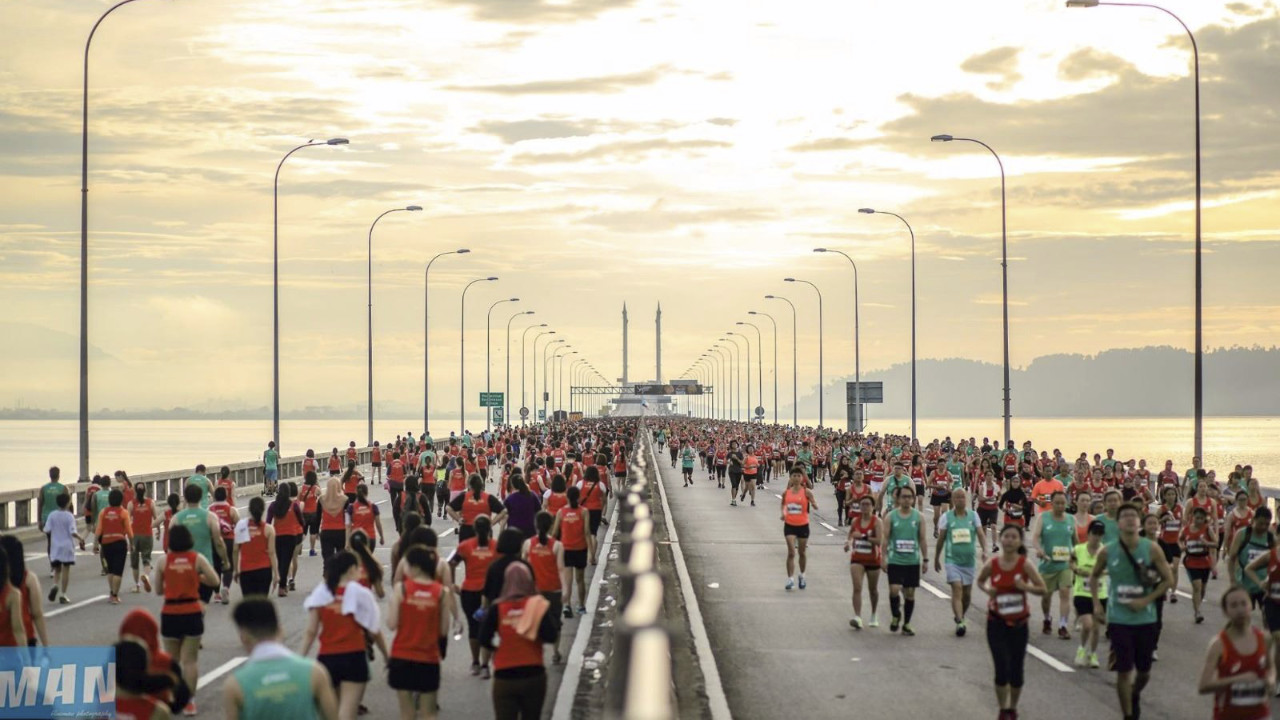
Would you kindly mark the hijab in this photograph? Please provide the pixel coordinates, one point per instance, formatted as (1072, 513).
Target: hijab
(333, 500)
(517, 583)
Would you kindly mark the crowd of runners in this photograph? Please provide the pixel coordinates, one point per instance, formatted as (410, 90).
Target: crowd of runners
(527, 506)
(1098, 543)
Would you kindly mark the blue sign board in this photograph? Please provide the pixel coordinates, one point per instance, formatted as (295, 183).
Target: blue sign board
(57, 682)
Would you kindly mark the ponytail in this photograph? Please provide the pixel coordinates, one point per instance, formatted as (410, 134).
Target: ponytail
(424, 559)
(484, 530)
(338, 566)
(362, 493)
(360, 546)
(543, 522)
(477, 486)
(573, 494)
(256, 507)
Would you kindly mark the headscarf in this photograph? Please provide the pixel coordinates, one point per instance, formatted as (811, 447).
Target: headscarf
(333, 500)
(517, 583)
(141, 626)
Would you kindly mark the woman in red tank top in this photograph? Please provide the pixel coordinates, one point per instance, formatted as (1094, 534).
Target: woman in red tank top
(571, 528)
(478, 553)
(28, 586)
(179, 575)
(1007, 579)
(256, 564)
(417, 615)
(863, 544)
(1236, 668)
(286, 518)
(545, 555)
(520, 679)
(342, 636)
(1199, 543)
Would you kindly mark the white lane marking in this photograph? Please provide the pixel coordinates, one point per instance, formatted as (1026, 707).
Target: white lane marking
(1179, 593)
(827, 526)
(447, 533)
(716, 700)
(935, 591)
(218, 672)
(1048, 659)
(69, 608)
(577, 652)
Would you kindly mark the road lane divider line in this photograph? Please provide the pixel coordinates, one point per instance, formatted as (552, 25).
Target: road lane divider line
(716, 700)
(568, 689)
(75, 606)
(825, 525)
(218, 672)
(935, 591)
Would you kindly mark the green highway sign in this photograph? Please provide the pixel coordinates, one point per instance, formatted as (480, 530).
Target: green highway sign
(498, 415)
(490, 399)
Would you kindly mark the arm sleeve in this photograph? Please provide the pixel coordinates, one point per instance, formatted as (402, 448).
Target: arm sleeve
(494, 505)
(489, 627)
(547, 630)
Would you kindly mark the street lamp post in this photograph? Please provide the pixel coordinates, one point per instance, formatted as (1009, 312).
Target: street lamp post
(795, 372)
(506, 400)
(488, 348)
(737, 376)
(775, 360)
(722, 354)
(870, 211)
(524, 363)
(1199, 355)
(426, 337)
(1004, 271)
(573, 380)
(411, 208)
(546, 360)
(533, 360)
(821, 412)
(759, 365)
(857, 344)
(746, 341)
(275, 287)
(462, 356)
(560, 380)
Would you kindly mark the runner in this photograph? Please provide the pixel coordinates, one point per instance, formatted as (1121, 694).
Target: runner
(545, 555)
(477, 552)
(363, 516)
(274, 682)
(959, 531)
(940, 484)
(285, 517)
(133, 684)
(1053, 537)
(750, 474)
(417, 615)
(206, 487)
(1238, 667)
(343, 623)
(570, 528)
(466, 508)
(1138, 577)
(865, 532)
(593, 496)
(906, 553)
(185, 578)
(1200, 544)
(1084, 557)
(60, 527)
(333, 523)
(1007, 579)
(256, 566)
(797, 501)
(1251, 543)
(114, 532)
(228, 518)
(514, 629)
(686, 465)
(270, 468)
(736, 462)
(47, 504)
(309, 503)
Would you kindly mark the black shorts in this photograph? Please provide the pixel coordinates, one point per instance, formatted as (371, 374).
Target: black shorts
(1171, 551)
(352, 667)
(255, 582)
(735, 481)
(1084, 605)
(1271, 615)
(1132, 646)
(471, 602)
(687, 471)
(1201, 574)
(720, 471)
(410, 676)
(593, 521)
(935, 499)
(799, 531)
(377, 464)
(114, 555)
(311, 523)
(988, 517)
(575, 558)
(180, 626)
(907, 576)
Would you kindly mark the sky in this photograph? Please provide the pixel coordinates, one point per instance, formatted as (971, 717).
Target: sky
(596, 152)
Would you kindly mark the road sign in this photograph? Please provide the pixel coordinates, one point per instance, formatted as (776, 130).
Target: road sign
(490, 399)
(524, 413)
(499, 415)
(542, 416)
(759, 411)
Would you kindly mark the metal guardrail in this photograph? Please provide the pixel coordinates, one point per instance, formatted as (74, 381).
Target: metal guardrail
(639, 686)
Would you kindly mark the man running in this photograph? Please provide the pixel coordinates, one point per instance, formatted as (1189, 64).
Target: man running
(906, 553)
(274, 682)
(1052, 536)
(957, 531)
(797, 501)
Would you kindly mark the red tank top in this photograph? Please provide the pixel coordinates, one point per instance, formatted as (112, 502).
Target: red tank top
(168, 515)
(592, 495)
(513, 649)
(113, 525)
(308, 497)
(339, 633)
(457, 481)
(473, 508)
(795, 507)
(1197, 547)
(288, 524)
(253, 554)
(866, 549)
(377, 455)
(1170, 524)
(222, 511)
(332, 522)
(1007, 601)
(1244, 700)
(230, 486)
(135, 708)
(555, 501)
(418, 633)
(478, 558)
(335, 463)
(542, 558)
(573, 531)
(854, 499)
(362, 519)
(144, 515)
(181, 583)
(308, 465)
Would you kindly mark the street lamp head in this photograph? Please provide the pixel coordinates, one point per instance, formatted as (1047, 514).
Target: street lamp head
(752, 312)
(941, 138)
(549, 332)
(337, 141)
(462, 251)
(820, 250)
(528, 312)
(867, 211)
(788, 279)
(741, 323)
(769, 297)
(514, 300)
(414, 208)
(490, 279)
(1082, 3)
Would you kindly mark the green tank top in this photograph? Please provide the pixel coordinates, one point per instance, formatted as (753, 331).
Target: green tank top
(1085, 563)
(1112, 532)
(1126, 585)
(1056, 539)
(206, 488)
(1254, 547)
(197, 521)
(962, 536)
(277, 689)
(101, 501)
(904, 538)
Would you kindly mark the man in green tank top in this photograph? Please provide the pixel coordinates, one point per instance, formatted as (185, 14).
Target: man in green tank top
(1053, 536)
(1249, 544)
(1138, 577)
(206, 488)
(1111, 500)
(906, 557)
(204, 528)
(275, 683)
(959, 531)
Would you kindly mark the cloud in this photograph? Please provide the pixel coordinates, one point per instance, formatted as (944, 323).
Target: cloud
(625, 151)
(1002, 61)
(514, 132)
(830, 143)
(599, 84)
(537, 11)
(657, 219)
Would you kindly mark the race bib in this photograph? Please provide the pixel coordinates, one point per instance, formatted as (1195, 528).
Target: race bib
(794, 509)
(904, 547)
(1275, 591)
(1014, 511)
(1061, 554)
(1245, 694)
(961, 536)
(1010, 604)
(1255, 552)
(863, 547)
(1173, 525)
(1129, 592)
(1196, 547)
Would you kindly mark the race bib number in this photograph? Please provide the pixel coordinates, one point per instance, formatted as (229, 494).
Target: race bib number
(1125, 593)
(1014, 511)
(863, 547)
(794, 509)
(1253, 553)
(904, 547)
(1010, 605)
(1246, 694)
(1196, 547)
(1061, 554)
(1275, 591)
(1173, 525)
(961, 536)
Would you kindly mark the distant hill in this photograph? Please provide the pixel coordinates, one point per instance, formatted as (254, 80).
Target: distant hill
(1150, 381)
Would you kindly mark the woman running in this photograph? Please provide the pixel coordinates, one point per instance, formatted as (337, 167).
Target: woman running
(1238, 668)
(363, 516)
(256, 565)
(343, 627)
(142, 517)
(178, 578)
(333, 524)
(477, 552)
(797, 502)
(370, 569)
(28, 586)
(286, 517)
(514, 629)
(570, 528)
(228, 518)
(1170, 516)
(545, 555)
(1200, 545)
(114, 533)
(465, 509)
(1007, 579)
(1083, 558)
(417, 614)
(309, 500)
(863, 544)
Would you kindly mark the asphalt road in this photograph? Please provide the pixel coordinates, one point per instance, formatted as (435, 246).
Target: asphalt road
(783, 653)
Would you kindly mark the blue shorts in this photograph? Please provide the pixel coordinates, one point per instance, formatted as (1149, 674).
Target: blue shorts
(270, 475)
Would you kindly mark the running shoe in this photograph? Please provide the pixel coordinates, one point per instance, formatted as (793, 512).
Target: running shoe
(146, 582)
(803, 584)
(1047, 628)
(1082, 657)
(475, 669)
(753, 503)
(484, 672)
(1155, 656)
(226, 597)
(790, 584)
(856, 623)
(190, 709)
(217, 598)
(1173, 597)
(568, 613)
(961, 628)
(733, 503)
(894, 623)
(582, 609)
(53, 593)
(114, 600)
(64, 600)
(1199, 618)
(1064, 633)
(1093, 660)
(906, 630)
(874, 622)
(313, 552)
(293, 585)
(136, 589)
